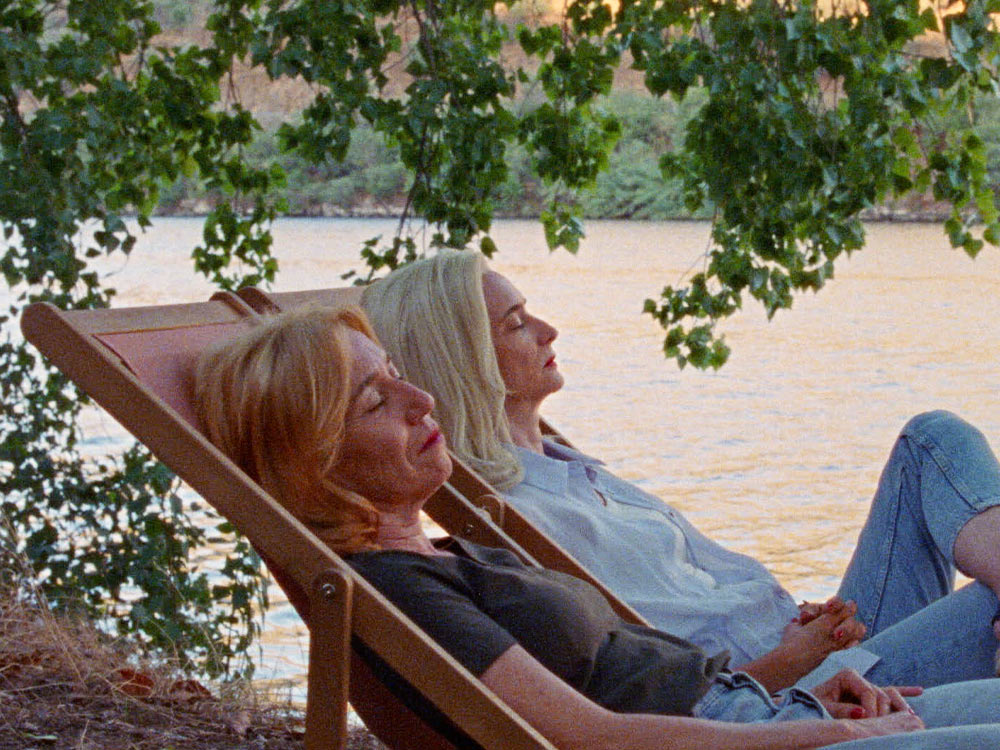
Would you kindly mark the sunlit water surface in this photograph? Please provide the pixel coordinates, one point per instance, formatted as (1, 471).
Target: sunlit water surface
(776, 455)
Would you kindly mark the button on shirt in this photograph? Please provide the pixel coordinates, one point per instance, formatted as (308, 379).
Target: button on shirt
(652, 557)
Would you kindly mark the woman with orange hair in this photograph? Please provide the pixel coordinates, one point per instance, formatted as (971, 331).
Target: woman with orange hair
(309, 405)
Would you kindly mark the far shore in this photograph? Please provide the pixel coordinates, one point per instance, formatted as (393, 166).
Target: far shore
(871, 216)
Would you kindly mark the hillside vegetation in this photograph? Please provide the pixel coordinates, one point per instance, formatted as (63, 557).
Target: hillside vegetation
(371, 181)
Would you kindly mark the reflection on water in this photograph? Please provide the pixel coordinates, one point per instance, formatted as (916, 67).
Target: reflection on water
(778, 453)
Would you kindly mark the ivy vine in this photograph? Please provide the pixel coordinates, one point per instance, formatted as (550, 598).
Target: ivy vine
(808, 115)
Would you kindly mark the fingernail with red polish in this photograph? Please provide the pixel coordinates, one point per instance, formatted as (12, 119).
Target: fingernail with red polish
(858, 713)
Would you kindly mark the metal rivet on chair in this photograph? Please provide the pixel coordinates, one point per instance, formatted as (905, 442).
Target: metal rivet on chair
(328, 591)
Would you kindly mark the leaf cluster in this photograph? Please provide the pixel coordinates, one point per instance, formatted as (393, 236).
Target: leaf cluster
(95, 117)
(806, 115)
(813, 115)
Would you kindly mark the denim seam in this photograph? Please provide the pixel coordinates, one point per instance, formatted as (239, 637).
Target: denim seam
(944, 463)
(973, 502)
(716, 693)
(886, 549)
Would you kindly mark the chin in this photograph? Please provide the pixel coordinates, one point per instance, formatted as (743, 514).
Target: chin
(447, 469)
(443, 466)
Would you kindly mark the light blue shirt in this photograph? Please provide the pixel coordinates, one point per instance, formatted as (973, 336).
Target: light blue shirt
(652, 557)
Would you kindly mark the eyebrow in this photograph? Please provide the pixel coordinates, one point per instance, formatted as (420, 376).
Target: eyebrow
(513, 308)
(366, 382)
(361, 386)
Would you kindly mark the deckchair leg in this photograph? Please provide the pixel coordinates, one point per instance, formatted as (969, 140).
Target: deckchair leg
(329, 661)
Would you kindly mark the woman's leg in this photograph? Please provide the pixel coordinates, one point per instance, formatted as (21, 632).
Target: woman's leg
(949, 640)
(961, 703)
(977, 549)
(957, 716)
(954, 738)
(940, 477)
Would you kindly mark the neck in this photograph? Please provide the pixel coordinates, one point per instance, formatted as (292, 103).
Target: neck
(403, 531)
(525, 425)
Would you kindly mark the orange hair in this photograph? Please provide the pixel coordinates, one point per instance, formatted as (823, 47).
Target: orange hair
(274, 400)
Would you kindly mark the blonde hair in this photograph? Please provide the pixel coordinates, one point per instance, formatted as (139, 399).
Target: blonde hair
(274, 400)
(431, 317)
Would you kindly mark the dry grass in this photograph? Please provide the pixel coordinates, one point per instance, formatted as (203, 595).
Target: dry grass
(63, 684)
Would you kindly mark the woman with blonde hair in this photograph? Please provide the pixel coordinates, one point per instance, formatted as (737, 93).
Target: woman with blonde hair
(465, 334)
(309, 405)
(432, 319)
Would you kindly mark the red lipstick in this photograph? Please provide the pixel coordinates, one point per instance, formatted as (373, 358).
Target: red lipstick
(432, 439)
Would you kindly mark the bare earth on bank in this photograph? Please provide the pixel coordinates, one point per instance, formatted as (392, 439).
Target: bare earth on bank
(65, 685)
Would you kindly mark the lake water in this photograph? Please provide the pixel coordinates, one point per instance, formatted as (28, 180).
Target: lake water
(777, 454)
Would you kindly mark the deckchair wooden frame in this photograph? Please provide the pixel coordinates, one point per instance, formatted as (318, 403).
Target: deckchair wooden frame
(509, 526)
(340, 602)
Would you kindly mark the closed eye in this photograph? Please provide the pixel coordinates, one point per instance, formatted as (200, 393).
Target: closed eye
(369, 400)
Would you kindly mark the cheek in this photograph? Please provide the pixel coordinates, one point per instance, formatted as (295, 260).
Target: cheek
(511, 362)
(346, 475)
(354, 470)
(369, 476)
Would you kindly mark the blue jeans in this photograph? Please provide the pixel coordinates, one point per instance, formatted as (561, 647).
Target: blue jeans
(957, 716)
(940, 474)
(958, 738)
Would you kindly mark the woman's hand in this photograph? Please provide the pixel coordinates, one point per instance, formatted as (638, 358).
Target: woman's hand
(880, 726)
(823, 628)
(847, 695)
(809, 611)
(834, 611)
(901, 721)
(819, 630)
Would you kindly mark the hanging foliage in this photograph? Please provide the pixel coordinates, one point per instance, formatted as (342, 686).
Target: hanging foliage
(808, 115)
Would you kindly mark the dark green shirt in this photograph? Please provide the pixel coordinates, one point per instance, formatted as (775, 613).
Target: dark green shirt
(481, 602)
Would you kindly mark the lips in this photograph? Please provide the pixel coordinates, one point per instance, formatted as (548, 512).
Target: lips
(431, 440)
(551, 362)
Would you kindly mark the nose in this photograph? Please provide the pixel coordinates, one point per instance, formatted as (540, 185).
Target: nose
(547, 333)
(419, 403)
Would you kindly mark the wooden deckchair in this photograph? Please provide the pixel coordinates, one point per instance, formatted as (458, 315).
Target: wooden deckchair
(137, 364)
(508, 524)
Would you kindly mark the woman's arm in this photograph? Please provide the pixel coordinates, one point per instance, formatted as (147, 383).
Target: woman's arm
(570, 721)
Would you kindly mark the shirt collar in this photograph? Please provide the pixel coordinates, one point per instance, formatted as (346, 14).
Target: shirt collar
(550, 472)
(565, 453)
